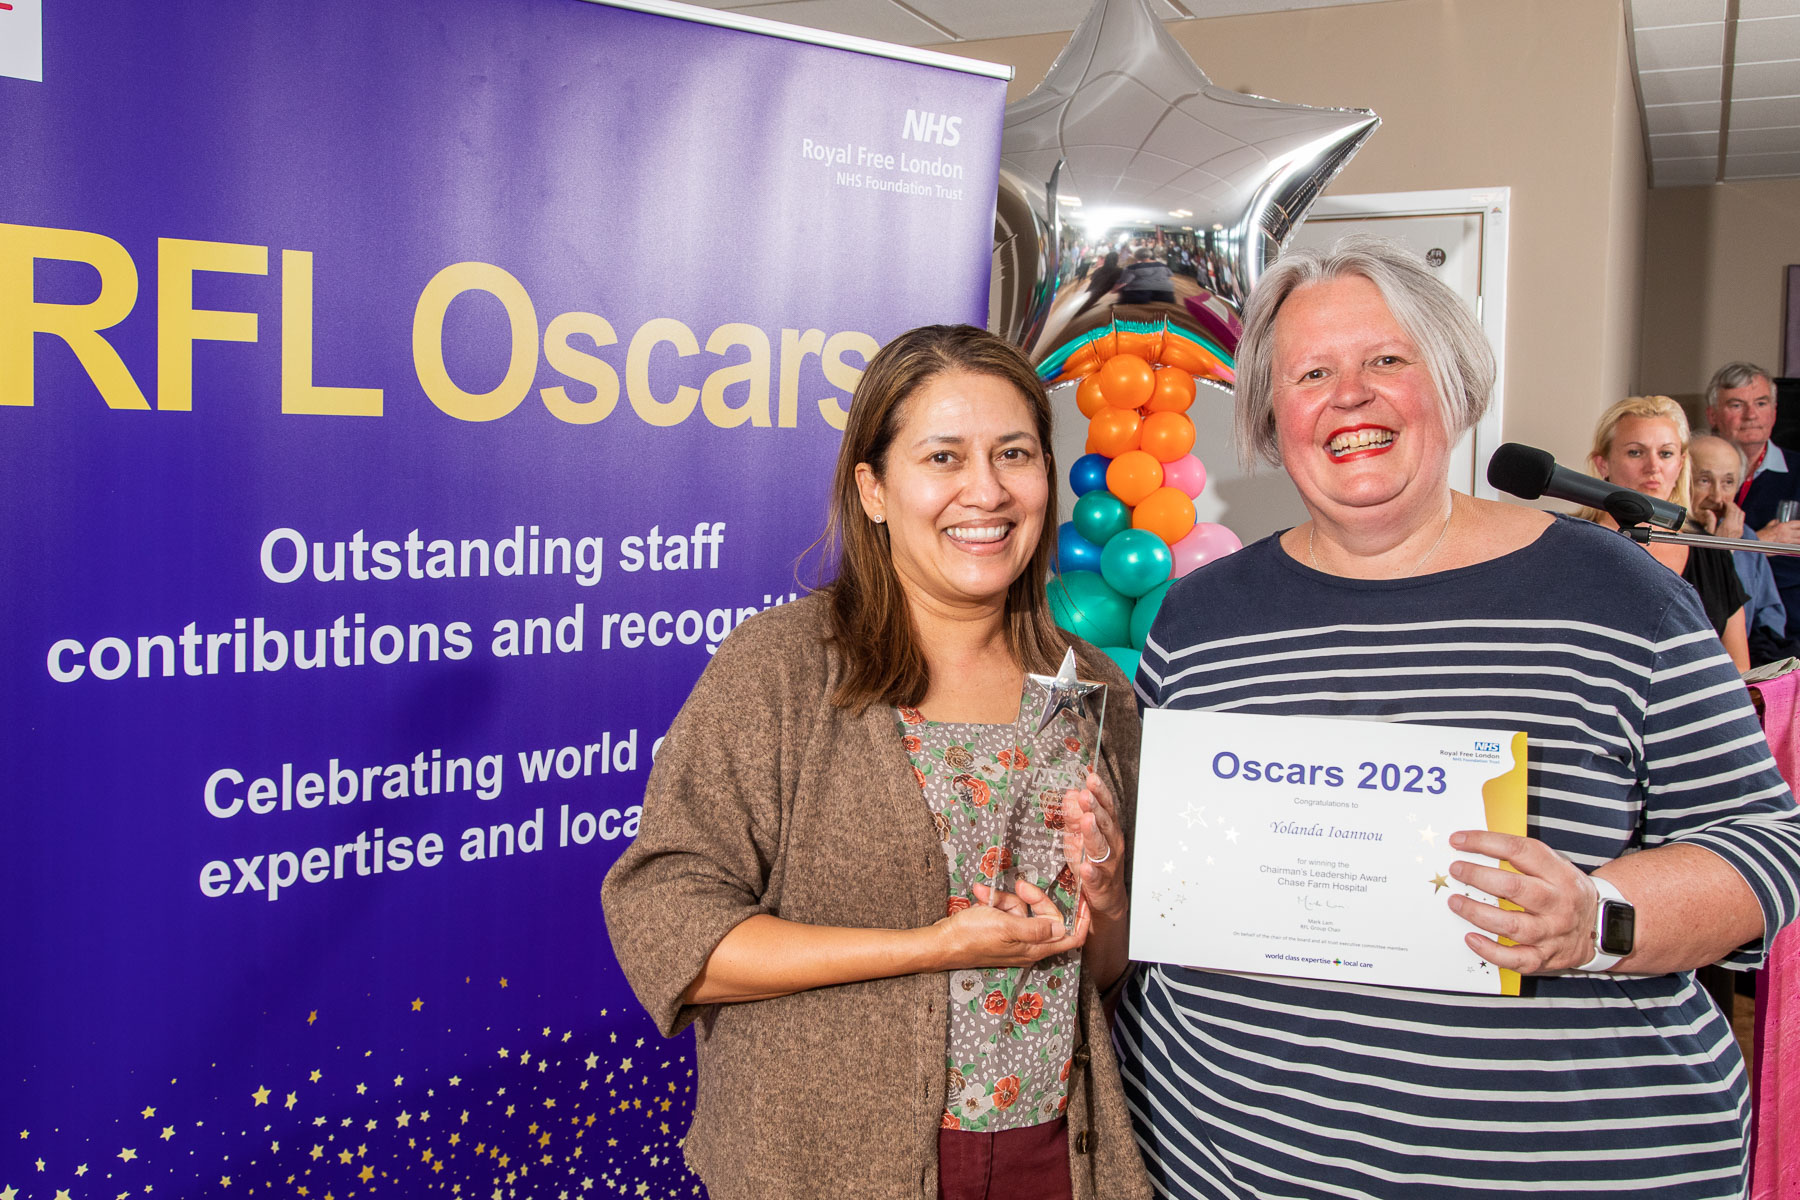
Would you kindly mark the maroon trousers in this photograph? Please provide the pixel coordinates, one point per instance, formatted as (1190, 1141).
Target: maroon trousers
(1015, 1164)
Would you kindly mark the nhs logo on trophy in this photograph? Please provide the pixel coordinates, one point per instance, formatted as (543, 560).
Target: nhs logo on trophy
(941, 128)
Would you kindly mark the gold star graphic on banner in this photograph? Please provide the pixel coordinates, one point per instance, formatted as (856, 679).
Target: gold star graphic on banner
(260, 1095)
(1438, 884)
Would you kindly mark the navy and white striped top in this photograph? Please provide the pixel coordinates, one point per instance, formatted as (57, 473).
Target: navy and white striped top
(1640, 735)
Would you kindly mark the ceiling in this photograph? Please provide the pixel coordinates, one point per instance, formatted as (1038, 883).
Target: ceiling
(1718, 80)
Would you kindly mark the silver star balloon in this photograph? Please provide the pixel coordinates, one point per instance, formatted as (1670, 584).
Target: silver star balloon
(1064, 693)
(1149, 146)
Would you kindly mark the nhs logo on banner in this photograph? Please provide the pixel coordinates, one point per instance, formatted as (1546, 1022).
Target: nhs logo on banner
(22, 39)
(932, 127)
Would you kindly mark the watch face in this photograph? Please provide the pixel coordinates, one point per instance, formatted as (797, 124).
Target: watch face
(1618, 928)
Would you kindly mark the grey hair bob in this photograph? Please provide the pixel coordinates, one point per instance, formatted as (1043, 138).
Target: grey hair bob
(1453, 346)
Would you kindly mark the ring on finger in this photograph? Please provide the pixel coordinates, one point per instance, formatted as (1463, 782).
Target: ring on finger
(1103, 857)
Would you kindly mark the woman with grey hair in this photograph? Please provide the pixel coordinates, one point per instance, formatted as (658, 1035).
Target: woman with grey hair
(1651, 789)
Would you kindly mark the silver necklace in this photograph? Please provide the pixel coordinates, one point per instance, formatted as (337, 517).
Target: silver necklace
(1312, 530)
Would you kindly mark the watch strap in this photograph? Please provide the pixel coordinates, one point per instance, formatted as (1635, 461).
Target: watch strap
(1602, 961)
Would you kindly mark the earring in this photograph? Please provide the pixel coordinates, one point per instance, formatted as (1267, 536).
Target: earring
(878, 518)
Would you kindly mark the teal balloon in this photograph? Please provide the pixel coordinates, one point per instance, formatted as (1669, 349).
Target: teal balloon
(1083, 604)
(1126, 657)
(1100, 515)
(1134, 562)
(1074, 552)
(1144, 612)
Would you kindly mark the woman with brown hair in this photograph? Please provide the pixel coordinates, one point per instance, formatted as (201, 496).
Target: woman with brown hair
(872, 1019)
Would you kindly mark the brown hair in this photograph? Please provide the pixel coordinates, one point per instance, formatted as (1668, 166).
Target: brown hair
(871, 622)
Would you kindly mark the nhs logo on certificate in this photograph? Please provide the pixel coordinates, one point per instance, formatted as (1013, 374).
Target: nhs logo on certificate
(1316, 847)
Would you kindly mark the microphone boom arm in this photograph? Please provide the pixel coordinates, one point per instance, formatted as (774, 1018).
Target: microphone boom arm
(1647, 534)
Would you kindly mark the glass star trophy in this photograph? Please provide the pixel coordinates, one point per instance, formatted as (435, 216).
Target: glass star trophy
(1060, 722)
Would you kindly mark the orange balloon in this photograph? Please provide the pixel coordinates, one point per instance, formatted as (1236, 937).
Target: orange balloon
(1179, 352)
(1113, 431)
(1167, 436)
(1166, 512)
(1127, 381)
(1132, 342)
(1133, 475)
(1082, 361)
(1088, 397)
(1174, 391)
(1156, 346)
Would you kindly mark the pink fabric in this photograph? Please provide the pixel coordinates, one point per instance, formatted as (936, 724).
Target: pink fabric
(1775, 1076)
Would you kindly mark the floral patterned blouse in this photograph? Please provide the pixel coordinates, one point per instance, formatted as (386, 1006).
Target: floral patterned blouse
(1012, 1030)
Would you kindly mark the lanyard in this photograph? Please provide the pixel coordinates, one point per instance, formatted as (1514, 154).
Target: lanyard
(1750, 476)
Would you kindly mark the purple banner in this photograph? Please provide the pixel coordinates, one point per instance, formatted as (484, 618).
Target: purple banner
(398, 403)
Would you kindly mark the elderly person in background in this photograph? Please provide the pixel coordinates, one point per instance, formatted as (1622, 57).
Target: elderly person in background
(1650, 784)
(1641, 443)
(807, 886)
(1740, 407)
(1716, 468)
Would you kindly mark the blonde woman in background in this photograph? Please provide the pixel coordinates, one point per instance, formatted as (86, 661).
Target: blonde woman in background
(1642, 443)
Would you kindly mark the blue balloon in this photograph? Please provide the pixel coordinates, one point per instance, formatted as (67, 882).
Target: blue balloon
(1074, 552)
(1089, 473)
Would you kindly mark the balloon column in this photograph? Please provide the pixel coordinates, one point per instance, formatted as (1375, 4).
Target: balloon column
(1133, 530)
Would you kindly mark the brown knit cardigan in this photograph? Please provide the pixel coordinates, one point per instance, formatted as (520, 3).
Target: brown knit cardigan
(766, 798)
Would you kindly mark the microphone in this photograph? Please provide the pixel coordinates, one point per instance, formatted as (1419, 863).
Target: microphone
(1528, 473)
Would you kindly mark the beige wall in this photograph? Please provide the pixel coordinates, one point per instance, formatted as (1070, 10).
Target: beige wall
(1535, 95)
(1715, 267)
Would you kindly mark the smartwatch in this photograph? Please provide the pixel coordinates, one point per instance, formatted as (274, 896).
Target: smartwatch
(1615, 927)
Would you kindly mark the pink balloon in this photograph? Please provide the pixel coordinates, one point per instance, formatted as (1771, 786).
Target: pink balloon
(1206, 542)
(1187, 473)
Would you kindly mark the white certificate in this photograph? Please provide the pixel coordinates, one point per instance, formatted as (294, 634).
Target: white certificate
(1317, 847)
